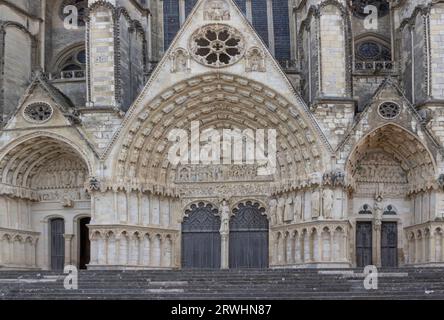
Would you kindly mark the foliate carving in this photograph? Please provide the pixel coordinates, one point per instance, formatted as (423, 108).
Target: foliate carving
(224, 189)
(255, 60)
(219, 173)
(93, 184)
(339, 179)
(335, 178)
(217, 45)
(217, 10)
(180, 60)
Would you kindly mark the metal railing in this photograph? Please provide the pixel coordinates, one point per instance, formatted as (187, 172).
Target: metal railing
(68, 75)
(374, 66)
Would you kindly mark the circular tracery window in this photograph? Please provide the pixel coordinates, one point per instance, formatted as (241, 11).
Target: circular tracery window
(38, 112)
(217, 45)
(370, 50)
(389, 110)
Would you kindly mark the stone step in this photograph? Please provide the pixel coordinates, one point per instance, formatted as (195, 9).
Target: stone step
(399, 283)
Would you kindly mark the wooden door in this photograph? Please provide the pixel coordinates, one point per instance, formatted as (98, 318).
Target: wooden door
(201, 242)
(248, 244)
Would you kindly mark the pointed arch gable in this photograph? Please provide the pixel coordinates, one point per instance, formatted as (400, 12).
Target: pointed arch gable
(213, 98)
(22, 160)
(161, 77)
(368, 120)
(408, 149)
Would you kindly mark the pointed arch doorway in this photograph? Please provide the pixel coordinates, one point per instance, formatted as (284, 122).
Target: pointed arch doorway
(201, 241)
(249, 237)
(57, 244)
(84, 243)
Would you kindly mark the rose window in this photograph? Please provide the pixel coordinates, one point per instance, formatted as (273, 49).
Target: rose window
(217, 45)
(38, 112)
(389, 110)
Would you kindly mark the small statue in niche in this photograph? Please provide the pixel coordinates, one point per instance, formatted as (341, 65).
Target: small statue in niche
(280, 211)
(217, 10)
(327, 196)
(273, 208)
(255, 60)
(315, 206)
(288, 212)
(180, 60)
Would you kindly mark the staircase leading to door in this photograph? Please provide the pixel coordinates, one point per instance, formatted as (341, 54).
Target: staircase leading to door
(404, 283)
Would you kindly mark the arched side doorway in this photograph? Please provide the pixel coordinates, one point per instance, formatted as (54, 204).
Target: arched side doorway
(248, 244)
(57, 232)
(201, 242)
(389, 167)
(84, 243)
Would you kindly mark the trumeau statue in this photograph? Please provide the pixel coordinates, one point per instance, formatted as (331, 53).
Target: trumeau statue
(225, 218)
(379, 208)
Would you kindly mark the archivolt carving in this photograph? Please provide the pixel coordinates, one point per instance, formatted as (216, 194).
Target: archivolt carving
(391, 155)
(42, 167)
(217, 101)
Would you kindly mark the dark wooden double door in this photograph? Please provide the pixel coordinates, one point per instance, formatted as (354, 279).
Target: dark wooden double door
(248, 240)
(389, 244)
(57, 243)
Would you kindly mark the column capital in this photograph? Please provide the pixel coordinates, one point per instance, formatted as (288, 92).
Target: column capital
(68, 236)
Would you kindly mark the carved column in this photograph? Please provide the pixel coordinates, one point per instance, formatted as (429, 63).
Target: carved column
(377, 245)
(224, 251)
(432, 255)
(417, 249)
(224, 234)
(68, 249)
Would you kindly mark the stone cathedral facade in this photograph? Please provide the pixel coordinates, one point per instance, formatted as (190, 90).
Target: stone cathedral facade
(88, 101)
